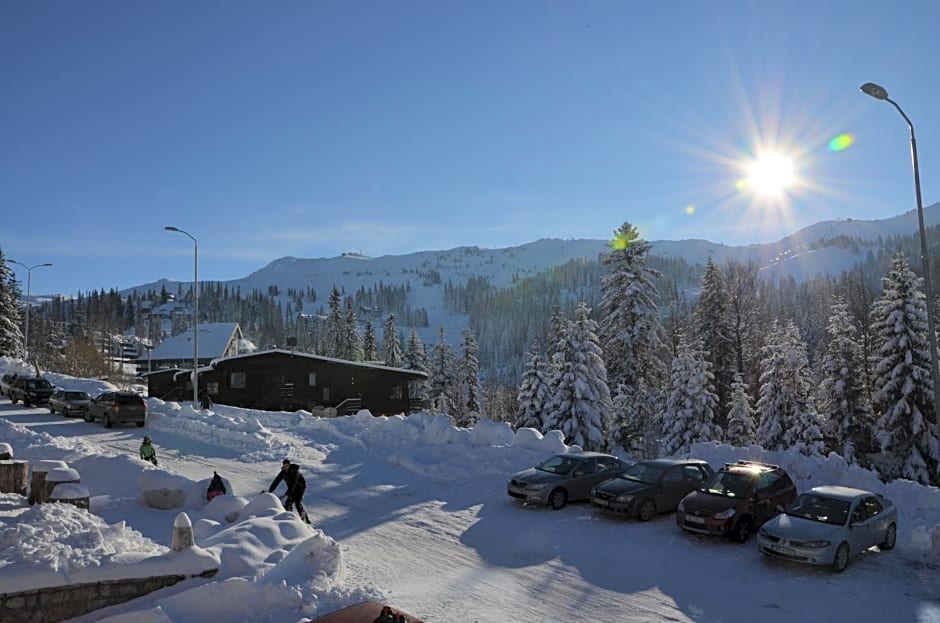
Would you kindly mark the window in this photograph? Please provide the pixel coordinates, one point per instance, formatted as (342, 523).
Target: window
(212, 387)
(769, 483)
(673, 476)
(693, 473)
(326, 394)
(236, 380)
(312, 379)
(587, 467)
(605, 464)
(872, 506)
(397, 393)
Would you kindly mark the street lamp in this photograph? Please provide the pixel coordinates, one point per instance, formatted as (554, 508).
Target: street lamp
(880, 93)
(195, 311)
(29, 283)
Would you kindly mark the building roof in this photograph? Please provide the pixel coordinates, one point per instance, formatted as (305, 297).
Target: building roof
(214, 338)
(418, 375)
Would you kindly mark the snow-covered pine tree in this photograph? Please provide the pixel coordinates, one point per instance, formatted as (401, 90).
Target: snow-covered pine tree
(350, 340)
(713, 327)
(369, 346)
(533, 391)
(557, 338)
(333, 340)
(468, 378)
(416, 358)
(391, 347)
(843, 405)
(11, 336)
(690, 407)
(742, 430)
(444, 377)
(904, 391)
(787, 413)
(582, 401)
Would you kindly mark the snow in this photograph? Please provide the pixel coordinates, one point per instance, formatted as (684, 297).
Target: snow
(214, 339)
(412, 511)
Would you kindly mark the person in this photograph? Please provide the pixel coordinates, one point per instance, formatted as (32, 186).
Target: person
(216, 487)
(281, 475)
(296, 486)
(147, 452)
(205, 401)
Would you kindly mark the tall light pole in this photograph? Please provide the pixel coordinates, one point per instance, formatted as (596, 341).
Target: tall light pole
(880, 93)
(29, 283)
(195, 311)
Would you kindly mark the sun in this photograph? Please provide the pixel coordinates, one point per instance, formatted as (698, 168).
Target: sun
(770, 175)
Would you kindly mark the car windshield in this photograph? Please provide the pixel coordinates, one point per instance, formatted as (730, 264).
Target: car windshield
(556, 465)
(819, 508)
(76, 396)
(132, 399)
(38, 384)
(642, 472)
(732, 484)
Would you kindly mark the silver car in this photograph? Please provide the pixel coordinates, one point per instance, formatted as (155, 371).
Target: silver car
(564, 478)
(828, 525)
(68, 402)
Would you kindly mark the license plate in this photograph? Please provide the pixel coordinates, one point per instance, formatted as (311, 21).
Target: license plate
(781, 550)
(693, 519)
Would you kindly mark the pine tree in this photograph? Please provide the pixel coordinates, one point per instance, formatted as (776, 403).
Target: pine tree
(11, 336)
(444, 377)
(690, 408)
(842, 401)
(712, 325)
(742, 430)
(558, 337)
(369, 346)
(391, 347)
(333, 341)
(582, 401)
(904, 391)
(788, 419)
(350, 340)
(468, 379)
(416, 358)
(533, 391)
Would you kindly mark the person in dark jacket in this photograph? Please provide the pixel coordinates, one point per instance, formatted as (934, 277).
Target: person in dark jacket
(281, 475)
(216, 487)
(296, 486)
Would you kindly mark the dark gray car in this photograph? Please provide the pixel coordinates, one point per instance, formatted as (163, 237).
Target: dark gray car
(116, 407)
(564, 478)
(650, 487)
(68, 402)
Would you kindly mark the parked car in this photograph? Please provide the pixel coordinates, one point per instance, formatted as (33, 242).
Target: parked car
(68, 402)
(828, 525)
(117, 407)
(564, 478)
(6, 383)
(737, 500)
(649, 487)
(31, 390)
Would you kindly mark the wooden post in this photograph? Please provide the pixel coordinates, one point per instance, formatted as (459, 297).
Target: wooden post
(37, 483)
(14, 476)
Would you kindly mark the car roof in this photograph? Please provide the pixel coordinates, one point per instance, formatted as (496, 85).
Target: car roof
(840, 493)
(672, 461)
(751, 466)
(584, 454)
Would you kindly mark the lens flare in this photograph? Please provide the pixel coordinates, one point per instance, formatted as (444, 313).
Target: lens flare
(690, 209)
(841, 142)
(622, 240)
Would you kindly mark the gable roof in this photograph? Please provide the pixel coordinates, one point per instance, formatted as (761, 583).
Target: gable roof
(214, 338)
(417, 374)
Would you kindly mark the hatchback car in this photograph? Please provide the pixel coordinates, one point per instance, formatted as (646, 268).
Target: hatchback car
(117, 407)
(649, 487)
(68, 402)
(564, 478)
(31, 390)
(827, 525)
(737, 500)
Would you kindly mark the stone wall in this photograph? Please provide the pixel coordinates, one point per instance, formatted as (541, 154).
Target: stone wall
(58, 603)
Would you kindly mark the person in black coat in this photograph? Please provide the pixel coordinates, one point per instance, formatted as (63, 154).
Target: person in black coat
(281, 475)
(216, 487)
(296, 486)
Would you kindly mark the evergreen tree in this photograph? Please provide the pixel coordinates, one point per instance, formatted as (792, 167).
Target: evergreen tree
(690, 407)
(557, 339)
(582, 402)
(350, 340)
(391, 347)
(416, 358)
(369, 346)
(842, 402)
(468, 378)
(333, 341)
(533, 391)
(788, 419)
(11, 336)
(444, 377)
(904, 391)
(742, 430)
(712, 325)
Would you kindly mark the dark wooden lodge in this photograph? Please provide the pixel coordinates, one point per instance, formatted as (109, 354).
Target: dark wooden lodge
(280, 380)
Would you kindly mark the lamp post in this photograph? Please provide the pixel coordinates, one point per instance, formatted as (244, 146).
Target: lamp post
(880, 93)
(195, 311)
(29, 283)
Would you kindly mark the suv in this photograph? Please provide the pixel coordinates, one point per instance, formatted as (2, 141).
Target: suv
(116, 407)
(32, 391)
(737, 500)
(650, 487)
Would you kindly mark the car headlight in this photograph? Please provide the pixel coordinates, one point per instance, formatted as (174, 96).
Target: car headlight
(536, 487)
(681, 507)
(763, 532)
(728, 514)
(624, 497)
(811, 543)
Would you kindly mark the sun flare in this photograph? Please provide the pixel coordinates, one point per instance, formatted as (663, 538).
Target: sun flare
(771, 175)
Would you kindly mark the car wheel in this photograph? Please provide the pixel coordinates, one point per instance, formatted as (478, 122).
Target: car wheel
(87, 417)
(891, 537)
(51, 409)
(557, 499)
(647, 510)
(841, 560)
(27, 403)
(12, 399)
(742, 531)
(107, 421)
(140, 424)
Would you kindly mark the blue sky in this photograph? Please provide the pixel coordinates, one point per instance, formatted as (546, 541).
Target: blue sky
(313, 128)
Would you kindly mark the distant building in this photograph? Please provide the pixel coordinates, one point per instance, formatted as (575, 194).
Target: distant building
(219, 339)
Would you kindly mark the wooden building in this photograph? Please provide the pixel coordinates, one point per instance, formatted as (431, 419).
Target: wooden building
(280, 380)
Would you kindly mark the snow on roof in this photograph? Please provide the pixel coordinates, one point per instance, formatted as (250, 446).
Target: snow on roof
(214, 338)
(358, 364)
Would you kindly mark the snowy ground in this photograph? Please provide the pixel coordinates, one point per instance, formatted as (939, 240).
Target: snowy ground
(413, 512)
